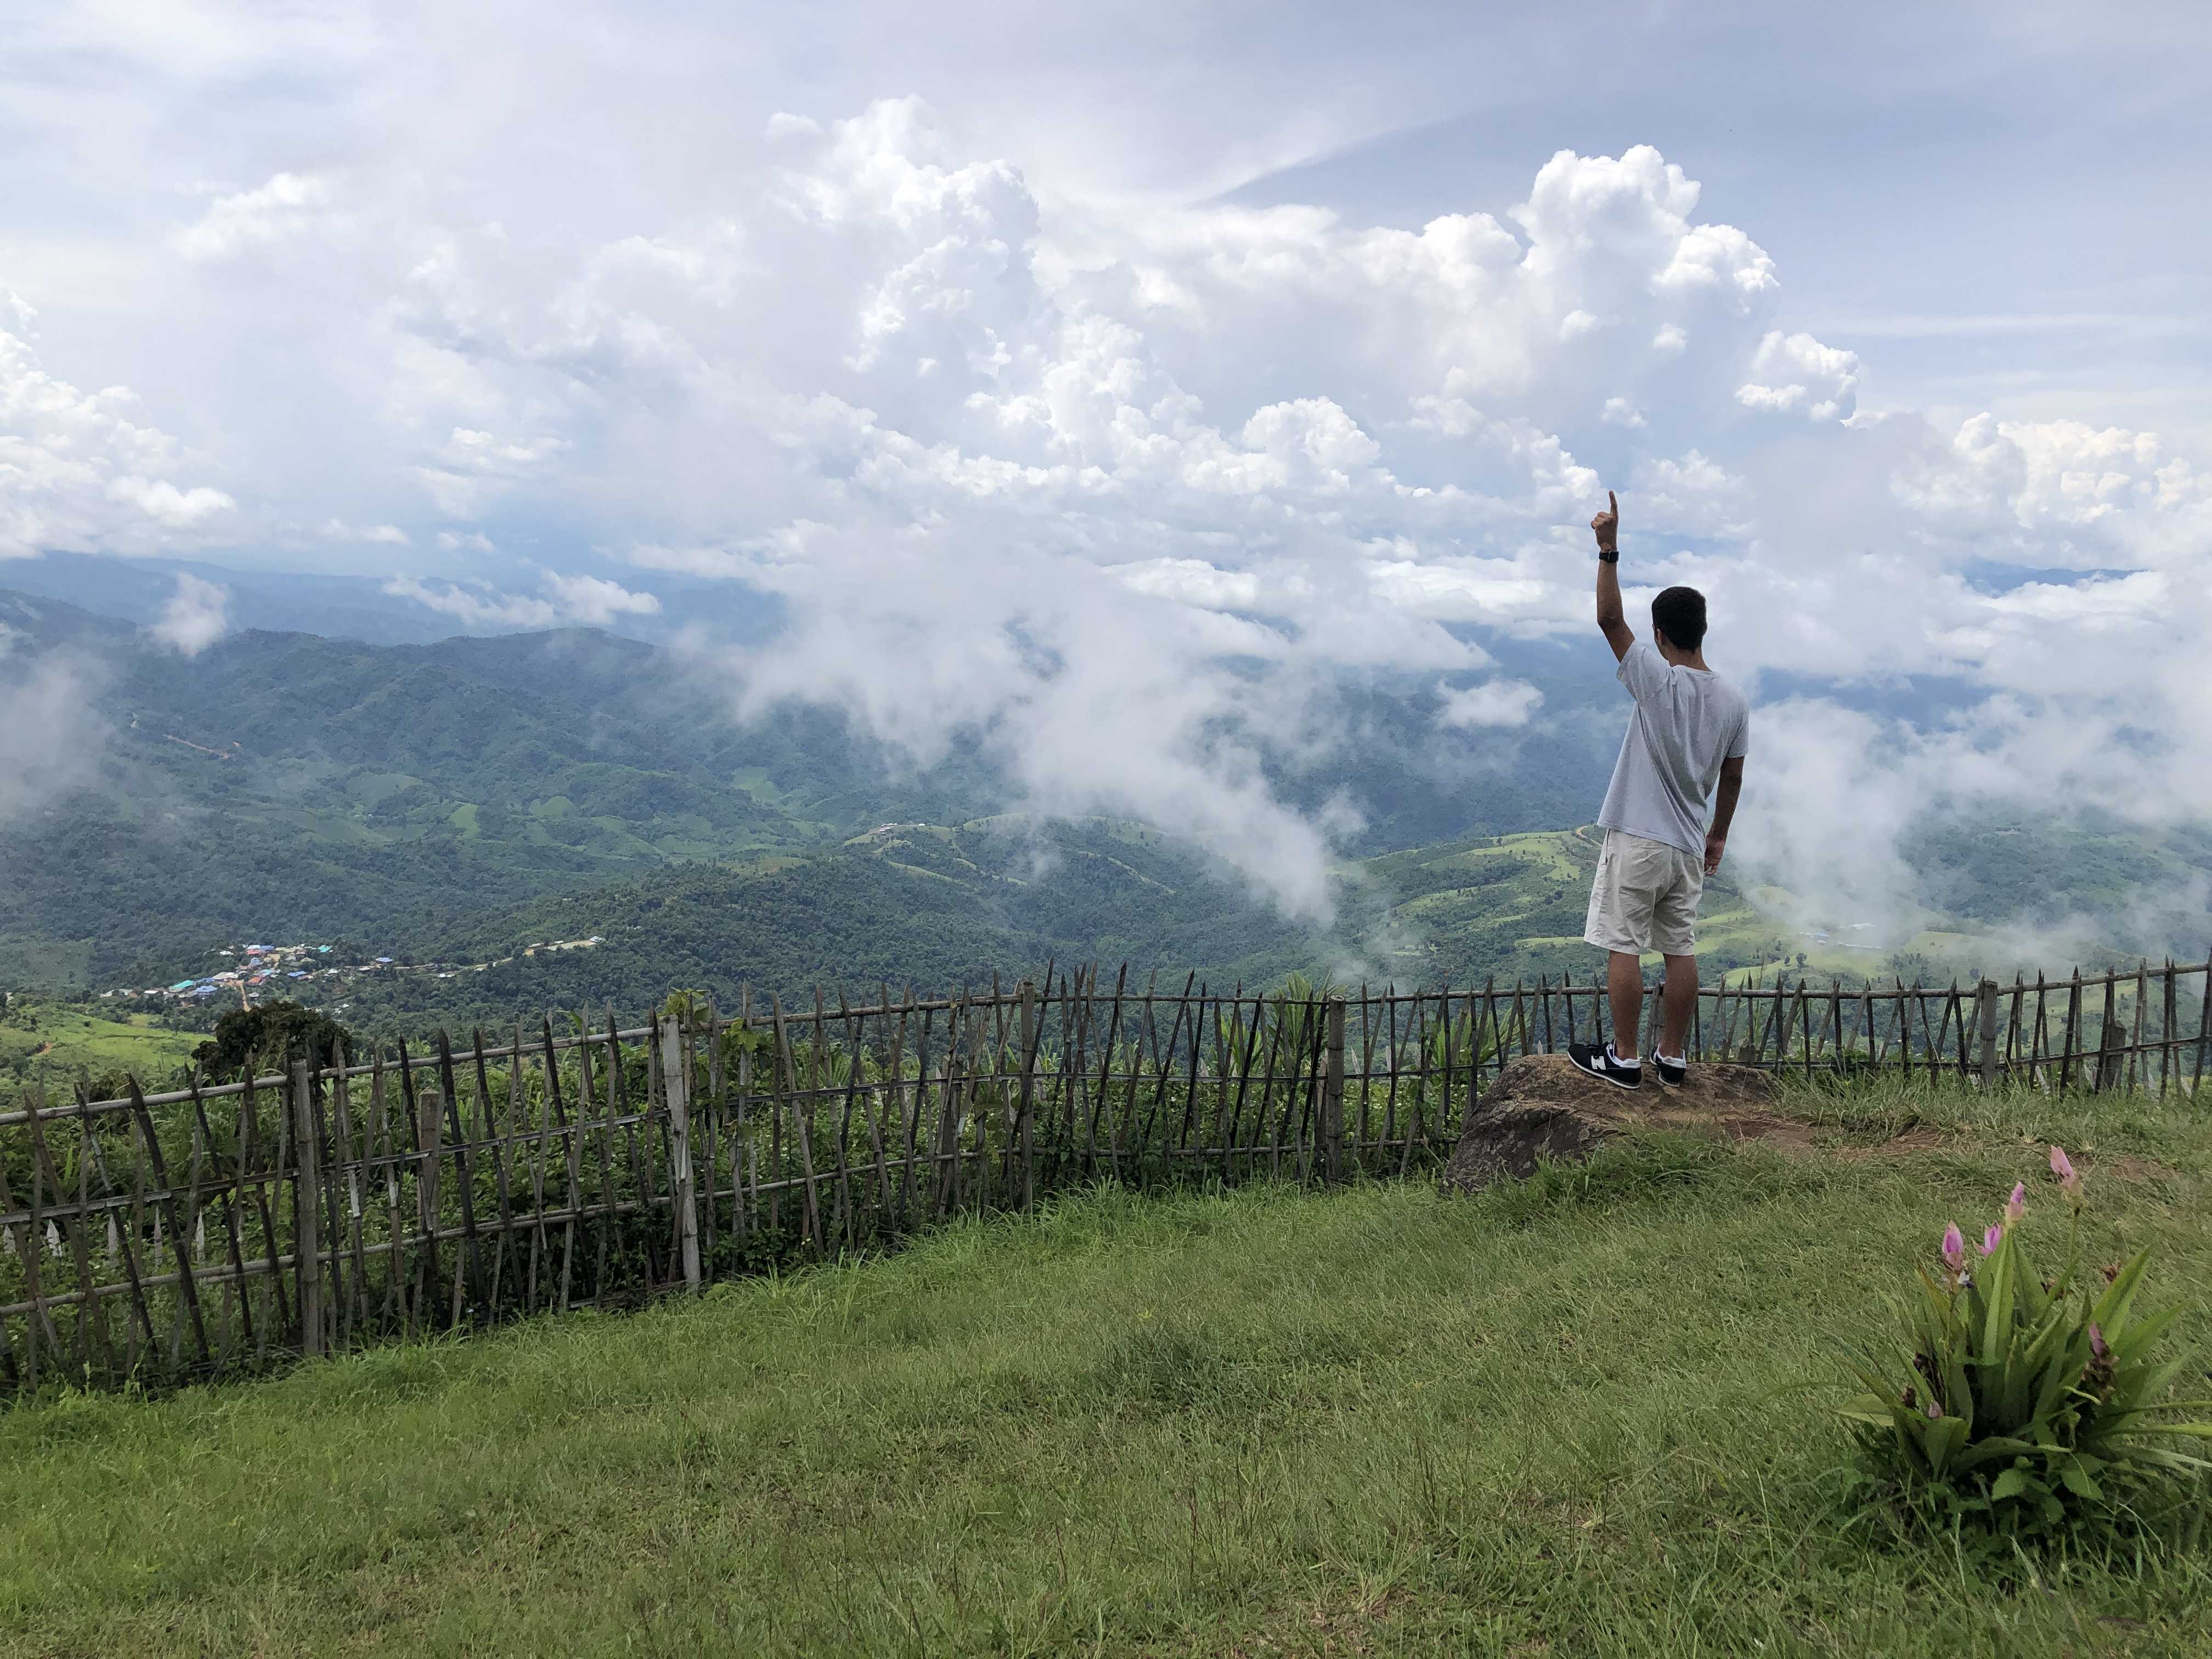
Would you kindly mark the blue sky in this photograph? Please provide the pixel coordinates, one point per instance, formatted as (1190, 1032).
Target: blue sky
(1161, 334)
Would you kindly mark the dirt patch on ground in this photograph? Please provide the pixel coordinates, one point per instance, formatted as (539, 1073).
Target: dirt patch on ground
(2129, 1167)
(1910, 1143)
(1542, 1108)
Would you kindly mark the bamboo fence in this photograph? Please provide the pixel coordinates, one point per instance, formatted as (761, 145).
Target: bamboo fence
(223, 1228)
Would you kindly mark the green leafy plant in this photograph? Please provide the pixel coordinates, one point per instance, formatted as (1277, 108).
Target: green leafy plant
(2029, 1402)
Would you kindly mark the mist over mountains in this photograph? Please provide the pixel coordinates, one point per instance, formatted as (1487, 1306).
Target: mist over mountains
(454, 802)
(1249, 519)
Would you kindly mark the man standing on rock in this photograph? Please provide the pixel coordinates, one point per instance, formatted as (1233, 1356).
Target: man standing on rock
(1683, 754)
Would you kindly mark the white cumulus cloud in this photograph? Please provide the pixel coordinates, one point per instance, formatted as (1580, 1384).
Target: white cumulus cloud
(79, 470)
(288, 205)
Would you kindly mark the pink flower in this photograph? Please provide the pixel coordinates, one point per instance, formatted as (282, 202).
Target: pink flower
(2097, 1341)
(2062, 1168)
(2017, 1205)
(1954, 1248)
(1935, 1410)
(1989, 1239)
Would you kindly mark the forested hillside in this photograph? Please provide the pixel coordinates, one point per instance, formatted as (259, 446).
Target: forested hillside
(284, 782)
(389, 798)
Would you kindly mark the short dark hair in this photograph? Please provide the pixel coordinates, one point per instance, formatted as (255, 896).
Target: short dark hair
(1680, 614)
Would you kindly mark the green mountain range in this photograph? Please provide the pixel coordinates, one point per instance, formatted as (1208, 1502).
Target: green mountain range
(456, 807)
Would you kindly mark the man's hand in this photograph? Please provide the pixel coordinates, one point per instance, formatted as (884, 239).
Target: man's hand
(1714, 845)
(1608, 525)
(1610, 621)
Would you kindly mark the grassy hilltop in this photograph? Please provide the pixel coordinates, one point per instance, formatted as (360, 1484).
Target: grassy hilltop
(51, 1044)
(1563, 1417)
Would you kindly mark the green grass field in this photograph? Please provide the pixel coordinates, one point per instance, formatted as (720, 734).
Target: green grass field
(1564, 1418)
(50, 1044)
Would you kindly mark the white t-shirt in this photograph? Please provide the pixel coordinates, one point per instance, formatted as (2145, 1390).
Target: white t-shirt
(1686, 722)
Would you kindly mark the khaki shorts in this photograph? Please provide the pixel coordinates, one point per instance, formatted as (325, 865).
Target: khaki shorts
(1645, 897)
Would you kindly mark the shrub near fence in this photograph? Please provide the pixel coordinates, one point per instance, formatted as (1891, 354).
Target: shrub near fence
(219, 1230)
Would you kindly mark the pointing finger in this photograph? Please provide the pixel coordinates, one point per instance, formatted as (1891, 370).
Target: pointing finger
(1611, 505)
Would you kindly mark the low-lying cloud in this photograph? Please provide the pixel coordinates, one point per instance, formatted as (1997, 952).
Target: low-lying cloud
(196, 617)
(1493, 702)
(563, 601)
(51, 736)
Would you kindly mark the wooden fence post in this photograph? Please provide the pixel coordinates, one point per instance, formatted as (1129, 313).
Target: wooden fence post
(306, 1211)
(2111, 1061)
(676, 1081)
(1332, 1094)
(1477, 1016)
(1031, 1036)
(1986, 1005)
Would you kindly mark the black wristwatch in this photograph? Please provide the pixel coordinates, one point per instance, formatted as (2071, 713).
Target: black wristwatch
(1608, 555)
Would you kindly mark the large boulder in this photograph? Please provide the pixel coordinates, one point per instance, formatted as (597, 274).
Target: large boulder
(1541, 1107)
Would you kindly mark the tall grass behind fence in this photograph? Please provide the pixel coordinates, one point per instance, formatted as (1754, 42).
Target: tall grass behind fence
(224, 1229)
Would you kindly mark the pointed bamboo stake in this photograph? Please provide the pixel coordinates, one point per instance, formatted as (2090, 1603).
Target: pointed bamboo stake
(464, 1183)
(395, 1307)
(1390, 1100)
(87, 1307)
(1232, 1054)
(2101, 1059)
(518, 1106)
(353, 1311)
(2168, 1032)
(747, 1180)
(716, 1127)
(845, 1123)
(2135, 1034)
(910, 1111)
(2039, 1065)
(2204, 1032)
(429, 1177)
(588, 1107)
(180, 1236)
(236, 1287)
(802, 1125)
(572, 1158)
(2073, 1026)
(1420, 1085)
(1102, 1099)
(29, 1238)
(501, 1150)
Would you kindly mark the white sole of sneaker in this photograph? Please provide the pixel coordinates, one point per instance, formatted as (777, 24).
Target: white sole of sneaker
(1604, 1077)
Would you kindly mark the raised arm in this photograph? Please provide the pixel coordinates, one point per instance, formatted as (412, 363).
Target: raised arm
(1731, 786)
(1610, 620)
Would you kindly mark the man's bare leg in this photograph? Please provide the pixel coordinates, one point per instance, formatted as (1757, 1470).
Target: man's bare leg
(1623, 989)
(1678, 1001)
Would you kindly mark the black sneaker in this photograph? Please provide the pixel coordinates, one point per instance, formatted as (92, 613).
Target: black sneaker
(1671, 1072)
(1602, 1063)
